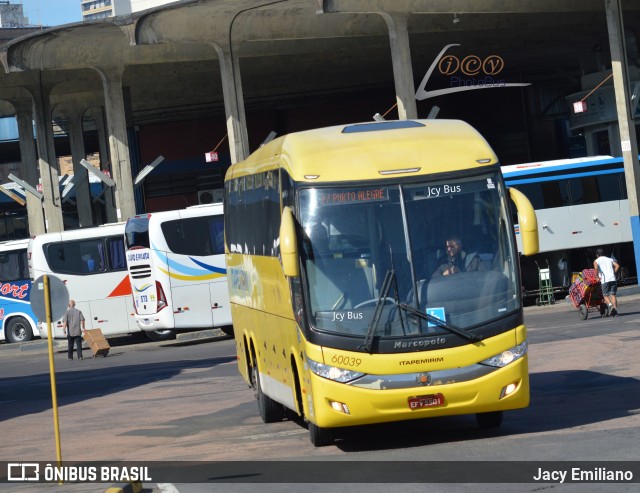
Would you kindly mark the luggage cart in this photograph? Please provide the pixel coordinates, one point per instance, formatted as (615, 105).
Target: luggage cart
(546, 289)
(586, 294)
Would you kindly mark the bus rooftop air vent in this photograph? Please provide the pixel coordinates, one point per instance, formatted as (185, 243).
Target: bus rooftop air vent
(376, 126)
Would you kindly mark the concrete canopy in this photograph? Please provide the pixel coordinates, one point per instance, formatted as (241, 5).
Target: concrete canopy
(177, 46)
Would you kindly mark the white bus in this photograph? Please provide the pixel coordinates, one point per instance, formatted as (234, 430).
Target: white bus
(91, 262)
(17, 321)
(177, 269)
(581, 205)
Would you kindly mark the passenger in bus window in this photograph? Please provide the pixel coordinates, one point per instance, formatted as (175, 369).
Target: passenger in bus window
(88, 263)
(606, 268)
(457, 260)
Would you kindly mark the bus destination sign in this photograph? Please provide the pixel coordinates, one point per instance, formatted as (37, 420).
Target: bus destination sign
(352, 196)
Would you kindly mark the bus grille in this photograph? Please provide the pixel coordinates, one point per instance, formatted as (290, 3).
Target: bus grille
(140, 271)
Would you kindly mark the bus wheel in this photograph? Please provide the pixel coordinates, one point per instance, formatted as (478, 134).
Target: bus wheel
(489, 420)
(270, 410)
(321, 437)
(18, 330)
(160, 335)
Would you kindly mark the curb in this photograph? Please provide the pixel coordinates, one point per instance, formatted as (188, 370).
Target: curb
(39, 346)
(626, 295)
(200, 334)
(125, 488)
(36, 345)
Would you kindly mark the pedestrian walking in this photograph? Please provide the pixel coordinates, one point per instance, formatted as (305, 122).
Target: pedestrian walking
(73, 328)
(606, 268)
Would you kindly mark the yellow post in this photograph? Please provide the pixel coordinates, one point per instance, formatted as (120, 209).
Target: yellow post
(52, 370)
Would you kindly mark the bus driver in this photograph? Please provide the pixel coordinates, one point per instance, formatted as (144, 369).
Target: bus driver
(457, 260)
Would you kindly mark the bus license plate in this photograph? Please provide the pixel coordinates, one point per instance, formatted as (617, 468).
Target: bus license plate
(422, 401)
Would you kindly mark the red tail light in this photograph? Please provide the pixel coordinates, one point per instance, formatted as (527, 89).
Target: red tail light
(162, 299)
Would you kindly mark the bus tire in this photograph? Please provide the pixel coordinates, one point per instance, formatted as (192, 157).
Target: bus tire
(160, 335)
(18, 330)
(270, 410)
(489, 420)
(321, 437)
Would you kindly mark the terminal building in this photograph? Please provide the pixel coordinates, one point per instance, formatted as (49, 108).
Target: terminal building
(202, 83)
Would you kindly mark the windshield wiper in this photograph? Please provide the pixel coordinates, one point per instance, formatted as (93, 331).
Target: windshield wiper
(373, 326)
(440, 323)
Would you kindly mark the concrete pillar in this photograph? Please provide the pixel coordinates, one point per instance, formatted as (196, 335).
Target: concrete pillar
(29, 165)
(626, 125)
(81, 175)
(402, 69)
(118, 142)
(47, 161)
(103, 149)
(233, 104)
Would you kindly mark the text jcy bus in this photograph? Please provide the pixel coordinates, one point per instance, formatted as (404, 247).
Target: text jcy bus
(334, 237)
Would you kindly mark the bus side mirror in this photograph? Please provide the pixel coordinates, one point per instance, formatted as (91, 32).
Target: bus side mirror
(289, 244)
(528, 222)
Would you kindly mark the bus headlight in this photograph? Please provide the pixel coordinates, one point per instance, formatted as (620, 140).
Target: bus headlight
(506, 357)
(335, 373)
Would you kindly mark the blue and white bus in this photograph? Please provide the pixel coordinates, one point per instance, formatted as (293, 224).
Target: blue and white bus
(19, 324)
(581, 204)
(177, 269)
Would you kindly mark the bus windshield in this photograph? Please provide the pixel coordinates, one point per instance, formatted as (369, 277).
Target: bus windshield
(136, 233)
(447, 244)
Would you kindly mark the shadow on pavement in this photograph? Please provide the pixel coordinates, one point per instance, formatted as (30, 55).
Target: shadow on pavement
(559, 400)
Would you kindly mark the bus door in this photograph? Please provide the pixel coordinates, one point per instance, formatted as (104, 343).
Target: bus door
(595, 210)
(109, 315)
(188, 262)
(110, 312)
(220, 306)
(190, 294)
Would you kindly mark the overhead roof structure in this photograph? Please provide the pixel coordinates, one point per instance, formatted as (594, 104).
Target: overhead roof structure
(170, 53)
(198, 58)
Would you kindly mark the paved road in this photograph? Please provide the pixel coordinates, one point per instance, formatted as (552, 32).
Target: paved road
(163, 401)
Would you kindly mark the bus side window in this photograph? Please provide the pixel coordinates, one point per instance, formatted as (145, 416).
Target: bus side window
(10, 266)
(216, 233)
(74, 257)
(115, 248)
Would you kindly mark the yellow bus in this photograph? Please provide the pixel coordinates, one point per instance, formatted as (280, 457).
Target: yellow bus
(373, 276)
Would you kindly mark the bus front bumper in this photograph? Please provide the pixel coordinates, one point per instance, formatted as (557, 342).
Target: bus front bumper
(332, 404)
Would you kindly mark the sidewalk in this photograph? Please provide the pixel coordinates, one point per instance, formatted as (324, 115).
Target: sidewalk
(627, 295)
(39, 346)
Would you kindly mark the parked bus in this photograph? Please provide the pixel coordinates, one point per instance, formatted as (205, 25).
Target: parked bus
(581, 204)
(177, 270)
(333, 237)
(91, 262)
(19, 324)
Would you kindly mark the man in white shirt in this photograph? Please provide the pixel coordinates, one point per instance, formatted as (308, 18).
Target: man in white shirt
(607, 268)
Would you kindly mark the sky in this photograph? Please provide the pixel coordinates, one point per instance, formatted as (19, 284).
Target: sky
(51, 12)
